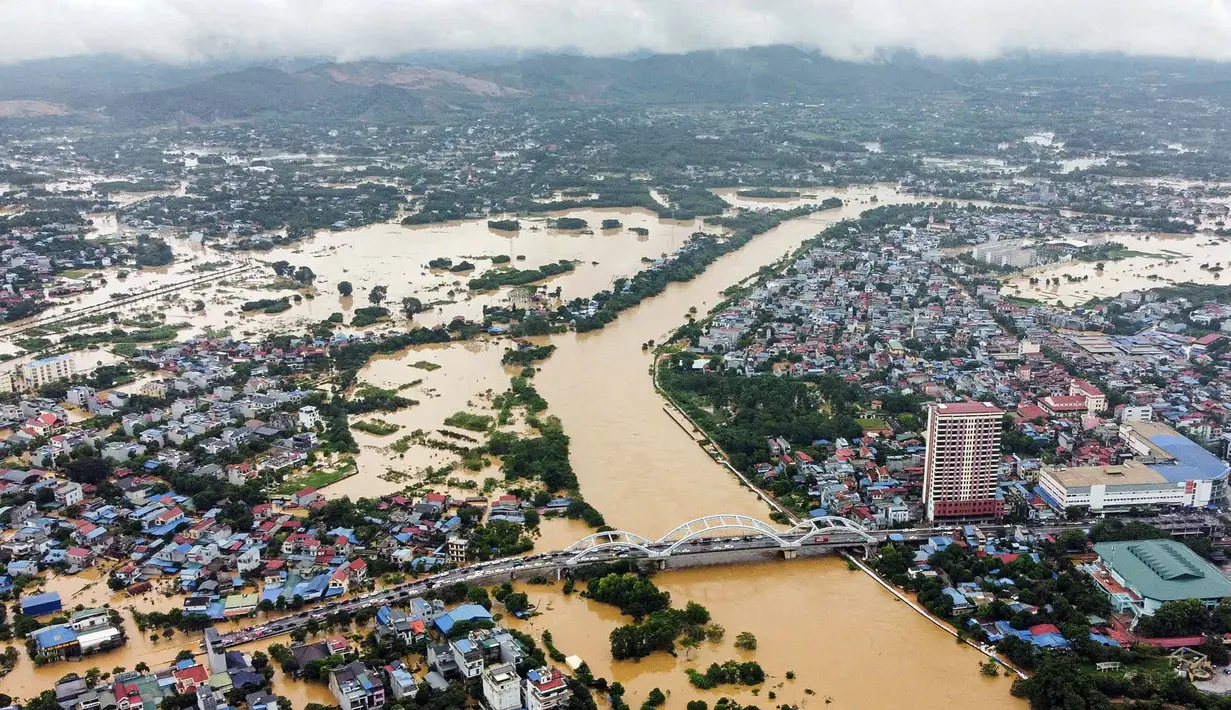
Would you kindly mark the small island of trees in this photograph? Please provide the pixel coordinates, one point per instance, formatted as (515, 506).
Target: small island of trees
(767, 193)
(571, 224)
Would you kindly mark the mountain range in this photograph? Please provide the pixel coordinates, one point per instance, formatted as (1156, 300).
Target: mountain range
(145, 93)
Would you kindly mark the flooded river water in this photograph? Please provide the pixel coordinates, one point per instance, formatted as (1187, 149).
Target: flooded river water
(837, 630)
(1158, 260)
(848, 640)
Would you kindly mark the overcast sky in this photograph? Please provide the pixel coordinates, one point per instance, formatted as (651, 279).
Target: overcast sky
(187, 30)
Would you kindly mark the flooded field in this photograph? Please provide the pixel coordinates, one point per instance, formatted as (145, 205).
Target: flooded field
(835, 629)
(1158, 260)
(451, 378)
(633, 462)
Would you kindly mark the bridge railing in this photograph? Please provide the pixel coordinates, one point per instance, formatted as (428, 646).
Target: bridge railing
(704, 528)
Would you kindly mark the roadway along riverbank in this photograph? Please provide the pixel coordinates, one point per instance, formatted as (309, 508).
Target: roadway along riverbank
(117, 303)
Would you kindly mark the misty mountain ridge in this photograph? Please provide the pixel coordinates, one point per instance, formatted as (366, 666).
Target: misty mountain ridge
(144, 93)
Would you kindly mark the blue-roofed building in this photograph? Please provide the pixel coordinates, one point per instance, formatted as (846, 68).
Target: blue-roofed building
(56, 642)
(20, 567)
(343, 532)
(464, 612)
(960, 602)
(312, 589)
(271, 592)
(41, 604)
(1104, 640)
(401, 683)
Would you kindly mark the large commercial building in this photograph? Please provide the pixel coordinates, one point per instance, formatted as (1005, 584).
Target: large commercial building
(1139, 576)
(962, 469)
(87, 631)
(1169, 471)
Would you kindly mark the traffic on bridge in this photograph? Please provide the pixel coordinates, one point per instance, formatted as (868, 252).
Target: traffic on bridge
(708, 537)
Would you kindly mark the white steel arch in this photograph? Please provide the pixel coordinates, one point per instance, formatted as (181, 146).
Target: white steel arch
(702, 527)
(706, 526)
(609, 537)
(610, 546)
(609, 540)
(827, 523)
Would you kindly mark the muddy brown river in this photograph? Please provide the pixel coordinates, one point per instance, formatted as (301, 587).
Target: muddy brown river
(847, 640)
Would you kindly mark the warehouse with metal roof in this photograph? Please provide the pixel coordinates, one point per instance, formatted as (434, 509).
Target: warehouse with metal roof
(1141, 575)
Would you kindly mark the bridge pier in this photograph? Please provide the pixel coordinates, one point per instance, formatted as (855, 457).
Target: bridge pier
(789, 553)
(661, 563)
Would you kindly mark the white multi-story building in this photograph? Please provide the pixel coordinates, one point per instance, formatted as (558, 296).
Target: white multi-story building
(502, 687)
(309, 416)
(456, 548)
(68, 493)
(50, 369)
(1170, 471)
(1136, 413)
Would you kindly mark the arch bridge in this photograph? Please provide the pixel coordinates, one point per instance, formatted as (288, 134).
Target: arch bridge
(828, 530)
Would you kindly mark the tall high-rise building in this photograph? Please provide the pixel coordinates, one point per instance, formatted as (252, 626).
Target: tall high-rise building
(215, 653)
(961, 472)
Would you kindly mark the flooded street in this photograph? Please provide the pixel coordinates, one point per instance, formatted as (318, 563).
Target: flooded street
(836, 629)
(89, 589)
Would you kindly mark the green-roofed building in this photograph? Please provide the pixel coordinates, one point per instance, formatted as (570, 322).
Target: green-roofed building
(1141, 575)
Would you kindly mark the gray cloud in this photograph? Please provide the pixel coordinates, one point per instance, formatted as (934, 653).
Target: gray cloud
(187, 30)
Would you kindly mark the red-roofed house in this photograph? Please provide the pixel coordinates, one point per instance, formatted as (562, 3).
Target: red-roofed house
(358, 571)
(78, 557)
(126, 696)
(1040, 629)
(273, 571)
(187, 680)
(1030, 412)
(304, 497)
(1064, 406)
(545, 688)
(169, 516)
(339, 580)
(44, 424)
